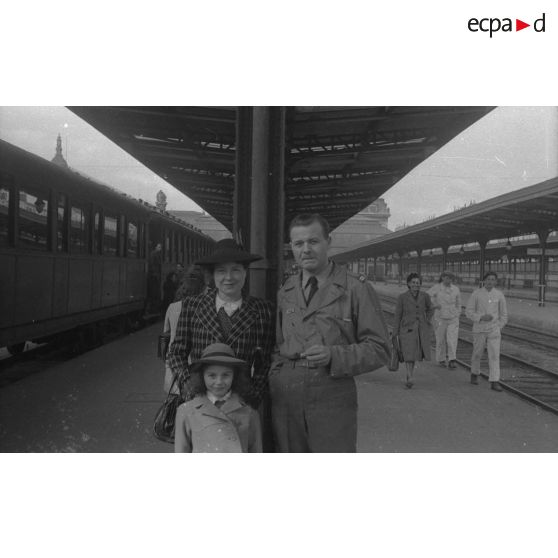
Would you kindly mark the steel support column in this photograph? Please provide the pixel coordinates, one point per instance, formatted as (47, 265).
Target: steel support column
(543, 236)
(400, 267)
(243, 174)
(419, 260)
(267, 199)
(445, 248)
(482, 257)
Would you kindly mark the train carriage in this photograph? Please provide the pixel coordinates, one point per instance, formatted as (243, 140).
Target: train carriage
(73, 252)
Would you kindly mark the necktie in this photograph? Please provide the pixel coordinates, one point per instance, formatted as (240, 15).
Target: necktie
(219, 403)
(313, 282)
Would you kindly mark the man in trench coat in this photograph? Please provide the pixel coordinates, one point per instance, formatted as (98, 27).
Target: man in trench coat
(330, 327)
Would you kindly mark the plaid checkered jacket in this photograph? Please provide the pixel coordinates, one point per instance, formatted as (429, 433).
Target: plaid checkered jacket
(253, 325)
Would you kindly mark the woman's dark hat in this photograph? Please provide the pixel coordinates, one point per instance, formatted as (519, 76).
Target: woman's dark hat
(227, 250)
(218, 353)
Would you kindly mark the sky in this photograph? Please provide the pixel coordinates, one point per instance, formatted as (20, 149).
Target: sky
(510, 148)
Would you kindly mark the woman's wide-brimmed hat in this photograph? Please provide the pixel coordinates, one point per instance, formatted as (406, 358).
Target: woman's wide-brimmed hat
(227, 250)
(218, 353)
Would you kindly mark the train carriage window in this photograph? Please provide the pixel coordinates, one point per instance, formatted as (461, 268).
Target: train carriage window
(141, 240)
(167, 247)
(110, 238)
(122, 236)
(4, 216)
(33, 220)
(175, 252)
(62, 224)
(78, 230)
(97, 229)
(132, 239)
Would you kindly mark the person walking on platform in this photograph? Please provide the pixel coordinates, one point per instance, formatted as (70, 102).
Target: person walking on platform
(412, 323)
(330, 327)
(487, 309)
(170, 286)
(218, 420)
(447, 301)
(225, 314)
(154, 271)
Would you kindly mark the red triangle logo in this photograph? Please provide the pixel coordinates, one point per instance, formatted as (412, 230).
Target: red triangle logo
(519, 25)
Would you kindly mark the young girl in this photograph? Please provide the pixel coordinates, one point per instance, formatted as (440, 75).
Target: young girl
(217, 420)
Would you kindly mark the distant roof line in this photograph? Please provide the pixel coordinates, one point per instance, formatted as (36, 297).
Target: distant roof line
(431, 233)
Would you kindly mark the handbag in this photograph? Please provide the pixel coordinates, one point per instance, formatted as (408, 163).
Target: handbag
(396, 354)
(165, 419)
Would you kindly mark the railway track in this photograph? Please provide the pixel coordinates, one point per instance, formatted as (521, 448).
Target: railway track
(537, 384)
(38, 358)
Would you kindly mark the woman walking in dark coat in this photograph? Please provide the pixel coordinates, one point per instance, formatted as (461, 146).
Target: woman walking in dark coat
(412, 323)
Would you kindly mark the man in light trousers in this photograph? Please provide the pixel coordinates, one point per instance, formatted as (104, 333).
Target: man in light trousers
(487, 309)
(447, 301)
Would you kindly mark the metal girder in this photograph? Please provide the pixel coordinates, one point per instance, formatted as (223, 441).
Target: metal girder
(339, 182)
(213, 114)
(366, 142)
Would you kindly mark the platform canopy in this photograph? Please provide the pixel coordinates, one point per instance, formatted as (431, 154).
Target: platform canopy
(533, 209)
(338, 160)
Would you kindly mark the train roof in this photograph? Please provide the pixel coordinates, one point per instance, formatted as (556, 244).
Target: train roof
(22, 157)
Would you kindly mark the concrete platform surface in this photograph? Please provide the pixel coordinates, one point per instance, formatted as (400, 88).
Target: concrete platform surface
(443, 412)
(105, 401)
(101, 401)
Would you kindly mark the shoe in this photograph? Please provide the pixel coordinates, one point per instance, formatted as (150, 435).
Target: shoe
(442, 362)
(474, 379)
(495, 386)
(452, 364)
(409, 385)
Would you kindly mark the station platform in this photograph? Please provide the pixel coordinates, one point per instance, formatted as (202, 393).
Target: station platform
(105, 401)
(101, 401)
(522, 312)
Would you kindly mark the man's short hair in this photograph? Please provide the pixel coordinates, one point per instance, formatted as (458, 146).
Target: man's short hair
(306, 219)
(488, 273)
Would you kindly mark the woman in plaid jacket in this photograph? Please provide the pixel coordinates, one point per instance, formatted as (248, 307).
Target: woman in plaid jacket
(224, 315)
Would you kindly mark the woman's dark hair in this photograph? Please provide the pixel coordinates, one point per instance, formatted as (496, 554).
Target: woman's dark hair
(412, 276)
(210, 268)
(488, 273)
(240, 384)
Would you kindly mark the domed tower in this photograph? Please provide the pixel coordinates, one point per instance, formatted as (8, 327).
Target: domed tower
(161, 202)
(59, 158)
